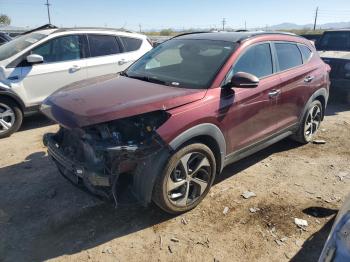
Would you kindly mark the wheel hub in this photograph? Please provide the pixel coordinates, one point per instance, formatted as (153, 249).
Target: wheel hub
(312, 123)
(7, 118)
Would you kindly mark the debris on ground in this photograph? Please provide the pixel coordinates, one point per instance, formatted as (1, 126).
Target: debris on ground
(342, 175)
(226, 209)
(279, 242)
(248, 194)
(107, 250)
(254, 209)
(160, 243)
(170, 250)
(300, 222)
(319, 142)
(174, 239)
(184, 221)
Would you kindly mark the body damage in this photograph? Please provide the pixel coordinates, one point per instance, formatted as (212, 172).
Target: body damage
(96, 155)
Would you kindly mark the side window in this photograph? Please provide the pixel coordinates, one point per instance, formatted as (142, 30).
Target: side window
(101, 45)
(60, 49)
(257, 60)
(306, 52)
(131, 44)
(288, 56)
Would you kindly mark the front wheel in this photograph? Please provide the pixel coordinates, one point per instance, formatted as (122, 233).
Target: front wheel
(310, 124)
(186, 179)
(10, 117)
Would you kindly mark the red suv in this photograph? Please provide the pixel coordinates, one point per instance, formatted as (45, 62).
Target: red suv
(189, 107)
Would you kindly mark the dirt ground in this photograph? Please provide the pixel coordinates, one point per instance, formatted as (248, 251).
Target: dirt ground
(44, 217)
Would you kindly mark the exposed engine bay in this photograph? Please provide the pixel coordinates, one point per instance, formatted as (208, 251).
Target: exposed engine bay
(96, 155)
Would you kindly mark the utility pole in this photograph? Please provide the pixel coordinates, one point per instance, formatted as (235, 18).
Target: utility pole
(245, 25)
(316, 14)
(140, 26)
(48, 10)
(223, 24)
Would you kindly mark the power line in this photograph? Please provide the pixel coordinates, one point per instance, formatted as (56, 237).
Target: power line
(48, 10)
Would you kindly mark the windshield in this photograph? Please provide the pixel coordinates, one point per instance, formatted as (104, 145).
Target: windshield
(19, 44)
(183, 62)
(338, 41)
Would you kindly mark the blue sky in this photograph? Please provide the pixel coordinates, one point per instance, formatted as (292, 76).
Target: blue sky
(175, 14)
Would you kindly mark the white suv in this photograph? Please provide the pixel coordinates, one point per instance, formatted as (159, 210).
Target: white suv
(36, 64)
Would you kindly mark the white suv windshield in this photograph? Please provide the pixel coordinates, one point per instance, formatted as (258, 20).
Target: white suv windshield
(19, 44)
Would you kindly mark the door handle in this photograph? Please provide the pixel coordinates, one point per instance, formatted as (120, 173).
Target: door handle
(74, 68)
(122, 62)
(308, 79)
(274, 93)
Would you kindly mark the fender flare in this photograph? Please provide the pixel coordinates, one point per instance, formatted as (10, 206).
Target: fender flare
(205, 129)
(12, 95)
(147, 171)
(320, 92)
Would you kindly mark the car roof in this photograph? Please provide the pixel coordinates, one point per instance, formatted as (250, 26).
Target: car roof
(228, 36)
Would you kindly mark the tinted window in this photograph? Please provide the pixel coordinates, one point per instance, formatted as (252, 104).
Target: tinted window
(288, 56)
(131, 44)
(59, 49)
(306, 52)
(257, 60)
(101, 45)
(339, 41)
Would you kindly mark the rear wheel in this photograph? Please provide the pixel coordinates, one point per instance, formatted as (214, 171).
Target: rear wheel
(310, 124)
(10, 117)
(186, 179)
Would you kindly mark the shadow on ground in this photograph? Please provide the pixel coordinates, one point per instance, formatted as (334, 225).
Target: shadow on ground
(35, 121)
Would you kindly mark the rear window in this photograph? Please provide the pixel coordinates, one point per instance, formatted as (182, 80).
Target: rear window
(306, 52)
(101, 45)
(288, 56)
(131, 44)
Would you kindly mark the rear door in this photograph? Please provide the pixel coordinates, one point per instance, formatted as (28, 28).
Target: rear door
(106, 55)
(296, 81)
(63, 64)
(250, 118)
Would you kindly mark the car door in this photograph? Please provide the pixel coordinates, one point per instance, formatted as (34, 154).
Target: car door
(63, 64)
(296, 79)
(106, 55)
(250, 118)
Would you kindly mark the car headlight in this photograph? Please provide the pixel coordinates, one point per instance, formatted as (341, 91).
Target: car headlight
(337, 247)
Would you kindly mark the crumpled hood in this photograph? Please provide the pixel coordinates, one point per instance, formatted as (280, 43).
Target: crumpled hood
(334, 54)
(111, 97)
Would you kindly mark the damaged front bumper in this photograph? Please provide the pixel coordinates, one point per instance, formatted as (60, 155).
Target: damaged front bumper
(95, 157)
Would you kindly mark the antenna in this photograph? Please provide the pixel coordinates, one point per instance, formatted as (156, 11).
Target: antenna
(48, 10)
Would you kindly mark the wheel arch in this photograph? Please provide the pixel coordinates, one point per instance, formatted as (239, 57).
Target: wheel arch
(14, 98)
(321, 95)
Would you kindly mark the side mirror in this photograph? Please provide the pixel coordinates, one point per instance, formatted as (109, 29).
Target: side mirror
(244, 80)
(35, 59)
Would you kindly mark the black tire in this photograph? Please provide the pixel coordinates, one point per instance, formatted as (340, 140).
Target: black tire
(199, 153)
(301, 135)
(18, 116)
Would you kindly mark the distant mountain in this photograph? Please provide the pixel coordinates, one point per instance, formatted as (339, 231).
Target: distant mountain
(288, 26)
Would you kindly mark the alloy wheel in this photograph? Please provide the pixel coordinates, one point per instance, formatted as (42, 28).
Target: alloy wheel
(189, 179)
(7, 118)
(313, 121)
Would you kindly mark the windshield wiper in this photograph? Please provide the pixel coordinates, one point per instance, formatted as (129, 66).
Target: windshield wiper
(149, 79)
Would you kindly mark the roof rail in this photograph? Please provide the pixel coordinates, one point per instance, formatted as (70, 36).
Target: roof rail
(190, 33)
(93, 28)
(47, 26)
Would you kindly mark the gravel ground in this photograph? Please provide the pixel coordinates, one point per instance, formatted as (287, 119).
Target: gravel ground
(44, 217)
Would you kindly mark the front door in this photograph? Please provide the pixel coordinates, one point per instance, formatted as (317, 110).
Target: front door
(250, 119)
(63, 64)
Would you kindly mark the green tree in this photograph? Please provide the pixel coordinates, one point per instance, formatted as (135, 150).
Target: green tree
(4, 20)
(166, 32)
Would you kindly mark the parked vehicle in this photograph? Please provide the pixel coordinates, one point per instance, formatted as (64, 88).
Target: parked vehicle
(334, 49)
(36, 64)
(4, 38)
(337, 247)
(194, 104)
